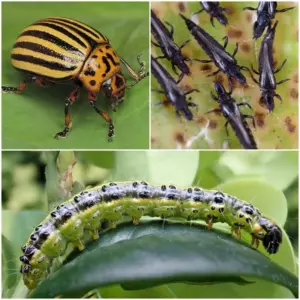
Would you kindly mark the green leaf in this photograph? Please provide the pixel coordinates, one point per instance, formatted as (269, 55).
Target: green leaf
(153, 253)
(31, 120)
(10, 272)
(102, 159)
(17, 227)
(156, 167)
(262, 165)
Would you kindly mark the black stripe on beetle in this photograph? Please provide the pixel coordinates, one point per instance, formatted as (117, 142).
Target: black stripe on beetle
(42, 62)
(53, 39)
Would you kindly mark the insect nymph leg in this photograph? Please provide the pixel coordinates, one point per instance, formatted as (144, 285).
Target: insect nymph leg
(105, 116)
(68, 123)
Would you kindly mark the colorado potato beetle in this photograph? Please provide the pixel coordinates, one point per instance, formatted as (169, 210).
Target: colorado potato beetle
(58, 50)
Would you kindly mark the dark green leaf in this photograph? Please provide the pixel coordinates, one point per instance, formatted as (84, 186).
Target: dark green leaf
(153, 253)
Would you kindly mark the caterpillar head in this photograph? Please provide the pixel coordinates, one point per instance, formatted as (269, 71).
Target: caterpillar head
(32, 276)
(273, 239)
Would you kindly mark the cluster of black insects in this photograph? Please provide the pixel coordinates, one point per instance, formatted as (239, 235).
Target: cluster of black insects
(225, 62)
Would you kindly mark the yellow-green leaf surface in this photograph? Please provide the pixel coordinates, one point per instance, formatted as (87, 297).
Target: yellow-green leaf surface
(31, 120)
(278, 129)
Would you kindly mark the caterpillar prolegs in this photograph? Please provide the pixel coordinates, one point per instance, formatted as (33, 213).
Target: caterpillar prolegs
(110, 202)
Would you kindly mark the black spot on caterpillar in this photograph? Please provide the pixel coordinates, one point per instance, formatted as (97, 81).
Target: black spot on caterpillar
(110, 202)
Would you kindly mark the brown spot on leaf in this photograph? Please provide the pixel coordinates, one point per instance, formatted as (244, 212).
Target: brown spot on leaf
(294, 93)
(201, 120)
(213, 124)
(235, 33)
(220, 78)
(289, 125)
(295, 78)
(153, 140)
(181, 6)
(179, 137)
(260, 119)
(249, 17)
(245, 47)
(206, 67)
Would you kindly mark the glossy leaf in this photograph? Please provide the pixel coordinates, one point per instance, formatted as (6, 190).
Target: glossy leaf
(154, 253)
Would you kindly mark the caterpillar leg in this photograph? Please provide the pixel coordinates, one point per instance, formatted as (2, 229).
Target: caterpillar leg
(135, 221)
(255, 242)
(209, 222)
(94, 234)
(79, 244)
(237, 231)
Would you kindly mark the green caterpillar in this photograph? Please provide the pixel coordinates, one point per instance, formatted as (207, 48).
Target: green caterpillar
(85, 212)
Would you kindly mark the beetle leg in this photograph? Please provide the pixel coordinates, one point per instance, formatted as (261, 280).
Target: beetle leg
(226, 41)
(68, 122)
(250, 117)
(245, 104)
(249, 8)
(158, 91)
(253, 70)
(213, 96)
(172, 29)
(198, 12)
(214, 73)
(253, 78)
(184, 44)
(282, 81)
(174, 69)
(216, 111)
(160, 57)
(212, 21)
(284, 9)
(192, 104)
(106, 117)
(279, 68)
(180, 78)
(155, 44)
(191, 91)
(18, 90)
(14, 90)
(235, 50)
(203, 60)
(226, 9)
(278, 97)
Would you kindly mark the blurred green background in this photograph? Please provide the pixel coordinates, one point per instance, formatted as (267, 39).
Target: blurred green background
(31, 120)
(276, 130)
(268, 180)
